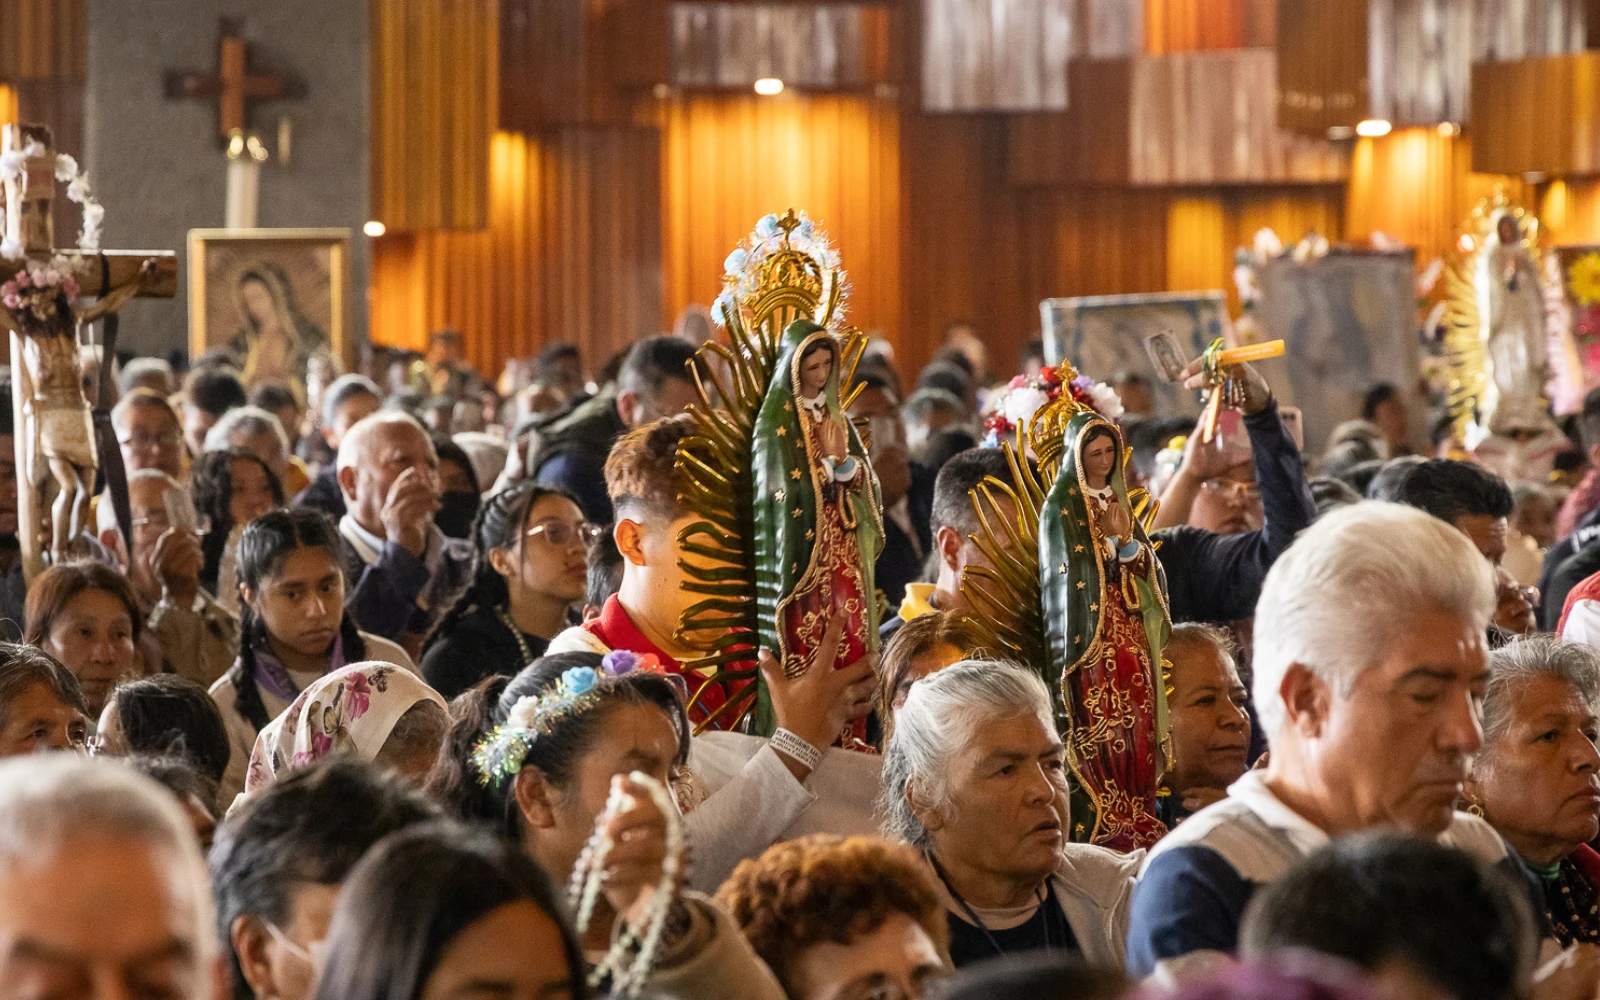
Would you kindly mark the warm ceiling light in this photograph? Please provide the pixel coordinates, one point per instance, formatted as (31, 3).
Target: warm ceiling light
(769, 86)
(374, 229)
(1449, 129)
(1373, 127)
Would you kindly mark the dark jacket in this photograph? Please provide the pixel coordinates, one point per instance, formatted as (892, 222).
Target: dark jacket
(478, 645)
(1563, 569)
(1217, 578)
(383, 597)
(324, 494)
(898, 563)
(570, 453)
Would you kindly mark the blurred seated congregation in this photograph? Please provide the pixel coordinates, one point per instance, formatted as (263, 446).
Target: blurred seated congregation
(800, 499)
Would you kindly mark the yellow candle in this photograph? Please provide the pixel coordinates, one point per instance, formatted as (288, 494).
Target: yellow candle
(1254, 352)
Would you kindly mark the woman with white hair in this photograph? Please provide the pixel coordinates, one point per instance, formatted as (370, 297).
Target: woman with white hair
(1537, 778)
(975, 778)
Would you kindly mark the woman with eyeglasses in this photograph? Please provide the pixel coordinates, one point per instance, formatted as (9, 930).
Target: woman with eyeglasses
(530, 567)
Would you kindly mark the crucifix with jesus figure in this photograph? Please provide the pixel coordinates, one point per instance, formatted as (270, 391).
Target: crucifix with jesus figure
(40, 287)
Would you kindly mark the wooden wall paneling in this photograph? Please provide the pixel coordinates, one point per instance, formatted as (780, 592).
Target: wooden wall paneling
(965, 256)
(555, 65)
(1106, 29)
(1209, 118)
(1198, 25)
(1537, 115)
(1087, 143)
(1409, 62)
(1322, 64)
(1569, 212)
(815, 46)
(1205, 228)
(42, 39)
(1523, 29)
(984, 56)
(727, 160)
(435, 98)
(572, 252)
(1419, 60)
(1186, 119)
(1417, 186)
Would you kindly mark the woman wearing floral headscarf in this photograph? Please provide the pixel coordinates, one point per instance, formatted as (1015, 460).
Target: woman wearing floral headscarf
(377, 711)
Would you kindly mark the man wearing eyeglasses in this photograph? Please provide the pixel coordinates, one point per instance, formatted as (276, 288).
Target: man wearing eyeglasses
(1229, 513)
(149, 432)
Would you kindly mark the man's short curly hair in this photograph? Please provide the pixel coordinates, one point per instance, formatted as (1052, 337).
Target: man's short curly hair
(642, 470)
(826, 888)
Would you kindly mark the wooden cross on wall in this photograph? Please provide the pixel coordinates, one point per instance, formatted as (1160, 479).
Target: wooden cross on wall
(232, 83)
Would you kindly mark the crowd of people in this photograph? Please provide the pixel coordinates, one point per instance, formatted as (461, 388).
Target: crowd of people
(382, 693)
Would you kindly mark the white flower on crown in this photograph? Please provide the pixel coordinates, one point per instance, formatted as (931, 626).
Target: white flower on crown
(742, 268)
(1021, 404)
(1106, 401)
(523, 714)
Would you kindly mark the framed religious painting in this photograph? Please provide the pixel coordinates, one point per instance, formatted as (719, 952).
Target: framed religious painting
(270, 300)
(1348, 321)
(1103, 336)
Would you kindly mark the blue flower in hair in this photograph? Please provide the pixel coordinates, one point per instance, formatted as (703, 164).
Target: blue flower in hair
(579, 680)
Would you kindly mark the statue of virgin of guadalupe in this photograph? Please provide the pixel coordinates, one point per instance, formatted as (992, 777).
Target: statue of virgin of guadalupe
(1105, 585)
(1515, 341)
(818, 516)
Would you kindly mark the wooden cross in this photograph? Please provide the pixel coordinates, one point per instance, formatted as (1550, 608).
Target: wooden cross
(232, 83)
(111, 275)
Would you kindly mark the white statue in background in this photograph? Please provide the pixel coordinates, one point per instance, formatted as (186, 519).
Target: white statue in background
(1515, 341)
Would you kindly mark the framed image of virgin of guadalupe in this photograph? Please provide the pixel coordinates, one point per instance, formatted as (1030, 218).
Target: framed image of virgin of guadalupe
(270, 299)
(1103, 337)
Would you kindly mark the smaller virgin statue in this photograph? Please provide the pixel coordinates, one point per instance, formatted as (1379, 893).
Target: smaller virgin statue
(818, 516)
(1108, 590)
(1516, 343)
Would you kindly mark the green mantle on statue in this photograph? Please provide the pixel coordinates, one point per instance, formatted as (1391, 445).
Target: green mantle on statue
(790, 489)
(1075, 597)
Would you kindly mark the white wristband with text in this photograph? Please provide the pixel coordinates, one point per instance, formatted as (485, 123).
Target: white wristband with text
(803, 753)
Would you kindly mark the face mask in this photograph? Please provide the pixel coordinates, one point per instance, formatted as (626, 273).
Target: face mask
(456, 513)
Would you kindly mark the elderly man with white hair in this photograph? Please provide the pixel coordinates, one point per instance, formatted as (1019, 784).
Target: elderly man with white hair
(1370, 666)
(103, 893)
(400, 569)
(975, 777)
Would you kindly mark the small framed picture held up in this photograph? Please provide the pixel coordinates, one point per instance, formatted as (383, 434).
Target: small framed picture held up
(269, 300)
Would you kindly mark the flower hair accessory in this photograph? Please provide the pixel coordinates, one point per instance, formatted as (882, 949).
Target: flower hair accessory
(499, 755)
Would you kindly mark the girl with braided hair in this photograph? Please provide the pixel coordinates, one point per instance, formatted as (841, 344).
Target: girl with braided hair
(530, 567)
(293, 628)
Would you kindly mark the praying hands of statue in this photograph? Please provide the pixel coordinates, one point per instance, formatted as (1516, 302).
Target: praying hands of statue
(1116, 522)
(633, 866)
(835, 443)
